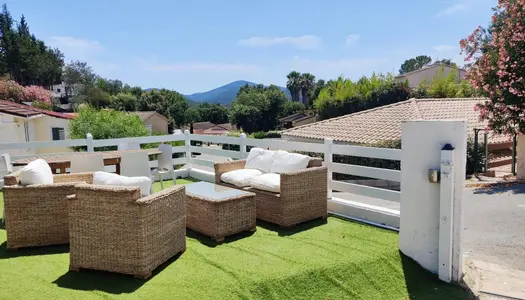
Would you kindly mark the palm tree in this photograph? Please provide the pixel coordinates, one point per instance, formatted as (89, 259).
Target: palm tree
(307, 84)
(294, 84)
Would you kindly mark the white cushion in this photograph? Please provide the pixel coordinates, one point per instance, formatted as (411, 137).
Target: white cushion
(260, 159)
(36, 172)
(270, 182)
(240, 177)
(288, 162)
(104, 178)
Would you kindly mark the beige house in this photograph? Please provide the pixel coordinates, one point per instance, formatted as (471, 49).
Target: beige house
(154, 121)
(23, 123)
(427, 73)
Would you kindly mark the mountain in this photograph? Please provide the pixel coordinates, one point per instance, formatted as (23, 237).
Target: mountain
(224, 94)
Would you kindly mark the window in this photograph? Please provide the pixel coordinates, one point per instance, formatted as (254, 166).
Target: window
(58, 90)
(58, 133)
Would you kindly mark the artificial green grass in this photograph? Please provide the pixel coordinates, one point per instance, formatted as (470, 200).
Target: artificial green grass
(328, 259)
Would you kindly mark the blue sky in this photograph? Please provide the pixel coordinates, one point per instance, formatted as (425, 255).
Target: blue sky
(194, 46)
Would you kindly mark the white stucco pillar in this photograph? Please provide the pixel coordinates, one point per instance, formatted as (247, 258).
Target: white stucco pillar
(520, 158)
(421, 143)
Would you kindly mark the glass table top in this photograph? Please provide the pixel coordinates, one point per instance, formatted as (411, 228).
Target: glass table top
(213, 191)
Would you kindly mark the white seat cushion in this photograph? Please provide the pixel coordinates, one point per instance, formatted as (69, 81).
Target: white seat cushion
(270, 182)
(288, 162)
(36, 172)
(240, 177)
(104, 178)
(260, 159)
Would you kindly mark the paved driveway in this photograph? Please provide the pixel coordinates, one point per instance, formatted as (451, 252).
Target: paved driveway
(494, 224)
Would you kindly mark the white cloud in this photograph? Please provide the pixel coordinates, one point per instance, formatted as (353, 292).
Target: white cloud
(305, 42)
(90, 51)
(445, 48)
(76, 49)
(352, 39)
(206, 68)
(454, 9)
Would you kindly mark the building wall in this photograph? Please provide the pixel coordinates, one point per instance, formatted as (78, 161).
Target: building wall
(12, 131)
(43, 132)
(157, 123)
(415, 79)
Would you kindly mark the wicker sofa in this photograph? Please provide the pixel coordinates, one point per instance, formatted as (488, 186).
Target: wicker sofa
(37, 215)
(302, 197)
(114, 229)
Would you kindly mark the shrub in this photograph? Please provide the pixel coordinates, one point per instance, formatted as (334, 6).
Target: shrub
(258, 135)
(105, 124)
(272, 135)
(473, 156)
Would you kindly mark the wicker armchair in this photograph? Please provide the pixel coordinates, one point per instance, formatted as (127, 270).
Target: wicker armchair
(36, 215)
(114, 229)
(303, 194)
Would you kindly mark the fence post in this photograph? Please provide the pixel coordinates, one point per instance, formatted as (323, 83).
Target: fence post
(242, 145)
(446, 220)
(328, 163)
(89, 142)
(187, 143)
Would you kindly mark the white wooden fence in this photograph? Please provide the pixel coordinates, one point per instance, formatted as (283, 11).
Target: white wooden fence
(328, 149)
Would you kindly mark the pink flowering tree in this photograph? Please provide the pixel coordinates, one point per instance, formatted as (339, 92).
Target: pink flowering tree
(34, 93)
(12, 91)
(497, 67)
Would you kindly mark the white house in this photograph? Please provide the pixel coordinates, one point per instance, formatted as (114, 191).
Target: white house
(427, 73)
(22, 123)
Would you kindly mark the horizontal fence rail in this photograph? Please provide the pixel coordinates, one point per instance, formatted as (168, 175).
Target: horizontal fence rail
(371, 152)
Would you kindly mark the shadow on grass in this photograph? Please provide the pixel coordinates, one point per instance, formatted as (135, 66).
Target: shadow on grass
(281, 231)
(2, 223)
(32, 251)
(422, 284)
(209, 242)
(112, 283)
(500, 189)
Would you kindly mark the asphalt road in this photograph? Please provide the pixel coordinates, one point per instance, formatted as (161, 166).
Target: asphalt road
(494, 225)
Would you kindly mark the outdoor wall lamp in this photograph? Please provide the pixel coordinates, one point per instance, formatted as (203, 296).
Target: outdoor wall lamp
(433, 175)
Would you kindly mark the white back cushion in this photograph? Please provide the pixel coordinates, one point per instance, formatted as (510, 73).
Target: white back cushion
(288, 162)
(240, 177)
(260, 159)
(270, 182)
(104, 178)
(36, 172)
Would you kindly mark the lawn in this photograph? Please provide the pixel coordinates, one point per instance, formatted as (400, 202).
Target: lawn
(329, 259)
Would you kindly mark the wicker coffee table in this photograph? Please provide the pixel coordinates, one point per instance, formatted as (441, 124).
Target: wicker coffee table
(217, 211)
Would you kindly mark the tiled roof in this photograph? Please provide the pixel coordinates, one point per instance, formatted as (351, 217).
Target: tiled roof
(26, 111)
(203, 125)
(384, 123)
(144, 115)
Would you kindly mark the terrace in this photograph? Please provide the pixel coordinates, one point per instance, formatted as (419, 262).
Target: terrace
(333, 258)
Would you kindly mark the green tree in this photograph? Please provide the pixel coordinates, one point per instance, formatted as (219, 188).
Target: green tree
(26, 59)
(78, 76)
(415, 64)
(192, 116)
(105, 124)
(124, 102)
(110, 86)
(258, 109)
(307, 84)
(92, 96)
(290, 108)
(168, 103)
(319, 85)
(214, 113)
(294, 84)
